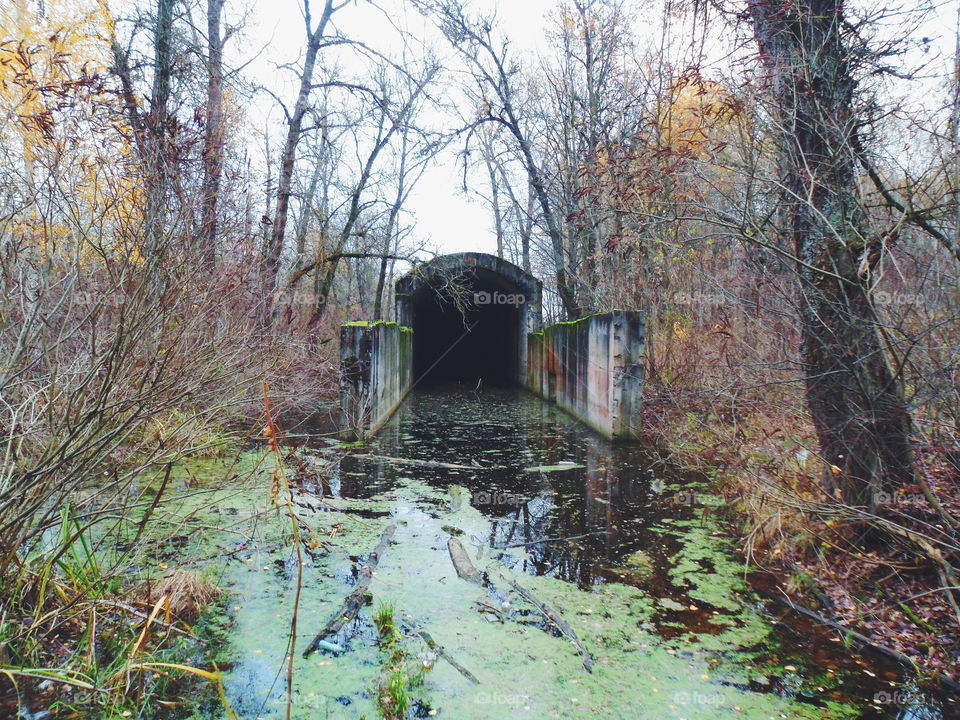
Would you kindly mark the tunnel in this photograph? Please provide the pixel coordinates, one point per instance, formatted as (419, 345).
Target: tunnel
(470, 315)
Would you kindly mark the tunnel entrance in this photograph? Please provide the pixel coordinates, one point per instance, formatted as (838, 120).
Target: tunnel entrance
(470, 315)
(459, 336)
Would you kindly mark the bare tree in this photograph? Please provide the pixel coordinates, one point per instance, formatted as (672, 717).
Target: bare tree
(288, 157)
(496, 76)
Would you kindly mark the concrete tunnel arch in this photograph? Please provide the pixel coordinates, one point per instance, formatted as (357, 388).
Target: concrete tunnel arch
(470, 314)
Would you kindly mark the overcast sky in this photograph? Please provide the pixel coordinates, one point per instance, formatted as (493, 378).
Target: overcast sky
(442, 214)
(274, 32)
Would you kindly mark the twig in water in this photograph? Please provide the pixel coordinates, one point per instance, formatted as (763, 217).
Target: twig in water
(551, 615)
(444, 653)
(548, 540)
(356, 599)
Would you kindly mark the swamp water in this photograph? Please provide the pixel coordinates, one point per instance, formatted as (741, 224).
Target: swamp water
(631, 554)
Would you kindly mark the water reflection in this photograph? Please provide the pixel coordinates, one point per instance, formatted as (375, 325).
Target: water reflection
(565, 503)
(578, 504)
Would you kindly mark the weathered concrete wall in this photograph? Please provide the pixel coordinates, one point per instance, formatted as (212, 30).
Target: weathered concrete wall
(593, 369)
(376, 365)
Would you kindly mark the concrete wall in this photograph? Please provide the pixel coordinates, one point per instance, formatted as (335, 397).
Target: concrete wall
(593, 369)
(376, 365)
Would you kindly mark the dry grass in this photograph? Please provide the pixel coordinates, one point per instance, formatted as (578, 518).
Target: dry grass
(187, 592)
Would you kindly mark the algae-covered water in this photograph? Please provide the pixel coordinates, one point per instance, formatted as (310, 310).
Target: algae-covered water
(632, 555)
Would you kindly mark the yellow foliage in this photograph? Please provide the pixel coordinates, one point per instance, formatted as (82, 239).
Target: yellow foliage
(697, 114)
(67, 126)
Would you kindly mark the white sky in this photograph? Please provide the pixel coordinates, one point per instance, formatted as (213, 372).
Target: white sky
(441, 214)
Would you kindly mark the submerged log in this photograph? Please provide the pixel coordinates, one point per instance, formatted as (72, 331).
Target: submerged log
(461, 562)
(356, 599)
(466, 570)
(415, 461)
(552, 616)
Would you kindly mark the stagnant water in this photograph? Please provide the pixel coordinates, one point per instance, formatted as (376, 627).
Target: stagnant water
(632, 554)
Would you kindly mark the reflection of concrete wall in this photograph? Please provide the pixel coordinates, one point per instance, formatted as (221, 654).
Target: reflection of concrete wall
(376, 364)
(593, 369)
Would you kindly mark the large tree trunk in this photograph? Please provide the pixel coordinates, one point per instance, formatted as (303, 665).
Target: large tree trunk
(213, 134)
(855, 399)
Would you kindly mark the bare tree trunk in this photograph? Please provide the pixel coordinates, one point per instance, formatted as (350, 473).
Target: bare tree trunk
(213, 135)
(527, 232)
(495, 199)
(382, 280)
(855, 399)
(158, 119)
(489, 160)
(289, 156)
(524, 215)
(303, 224)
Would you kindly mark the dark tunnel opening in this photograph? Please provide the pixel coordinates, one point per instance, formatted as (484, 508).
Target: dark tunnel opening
(477, 339)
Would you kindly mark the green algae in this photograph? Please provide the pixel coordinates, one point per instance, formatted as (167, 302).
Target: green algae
(655, 657)
(524, 672)
(377, 323)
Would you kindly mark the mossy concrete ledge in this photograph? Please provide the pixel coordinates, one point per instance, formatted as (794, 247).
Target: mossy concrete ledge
(593, 369)
(376, 372)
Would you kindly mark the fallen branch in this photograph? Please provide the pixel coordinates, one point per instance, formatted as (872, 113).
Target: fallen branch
(946, 571)
(466, 570)
(336, 257)
(442, 652)
(356, 599)
(422, 463)
(865, 641)
(548, 540)
(552, 616)
(462, 564)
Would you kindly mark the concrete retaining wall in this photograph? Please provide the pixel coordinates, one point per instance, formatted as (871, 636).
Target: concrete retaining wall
(376, 364)
(593, 369)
